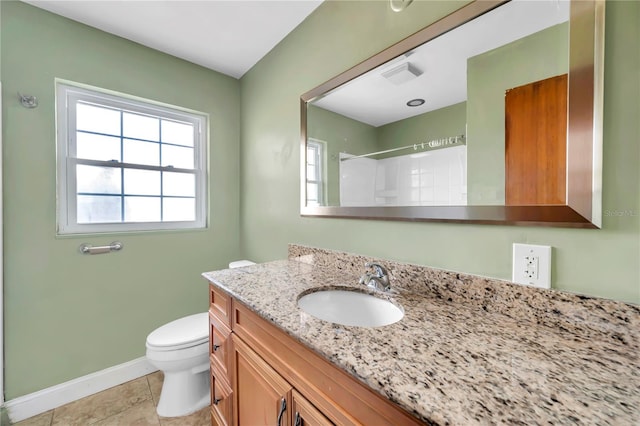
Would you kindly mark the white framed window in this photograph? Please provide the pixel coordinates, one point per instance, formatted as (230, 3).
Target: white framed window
(316, 172)
(126, 164)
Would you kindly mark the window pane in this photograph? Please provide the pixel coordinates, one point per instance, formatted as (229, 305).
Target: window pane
(97, 119)
(312, 191)
(179, 184)
(97, 147)
(177, 133)
(98, 209)
(98, 180)
(138, 152)
(142, 209)
(140, 127)
(141, 182)
(177, 156)
(311, 172)
(178, 209)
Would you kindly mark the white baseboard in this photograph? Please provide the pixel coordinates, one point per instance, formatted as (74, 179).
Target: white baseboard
(35, 403)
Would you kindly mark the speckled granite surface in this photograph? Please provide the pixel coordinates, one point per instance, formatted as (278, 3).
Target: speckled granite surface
(469, 350)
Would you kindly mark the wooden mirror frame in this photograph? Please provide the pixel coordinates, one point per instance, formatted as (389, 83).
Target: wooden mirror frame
(583, 208)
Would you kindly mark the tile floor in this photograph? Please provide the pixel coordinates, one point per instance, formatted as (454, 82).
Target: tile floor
(131, 403)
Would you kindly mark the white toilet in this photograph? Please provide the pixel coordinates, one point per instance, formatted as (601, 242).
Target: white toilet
(180, 349)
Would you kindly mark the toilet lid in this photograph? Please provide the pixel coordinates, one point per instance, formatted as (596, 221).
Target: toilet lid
(184, 332)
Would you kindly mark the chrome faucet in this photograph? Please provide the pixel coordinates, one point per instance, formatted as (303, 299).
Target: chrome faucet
(379, 280)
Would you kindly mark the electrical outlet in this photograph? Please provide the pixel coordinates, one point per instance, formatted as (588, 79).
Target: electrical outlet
(532, 265)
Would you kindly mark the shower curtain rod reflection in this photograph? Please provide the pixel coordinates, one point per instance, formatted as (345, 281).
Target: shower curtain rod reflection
(432, 144)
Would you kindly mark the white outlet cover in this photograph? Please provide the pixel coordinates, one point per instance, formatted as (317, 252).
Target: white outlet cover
(519, 264)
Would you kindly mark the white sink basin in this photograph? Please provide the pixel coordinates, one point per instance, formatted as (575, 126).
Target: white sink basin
(350, 308)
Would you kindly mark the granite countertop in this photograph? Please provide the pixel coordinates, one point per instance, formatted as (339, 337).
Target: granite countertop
(459, 363)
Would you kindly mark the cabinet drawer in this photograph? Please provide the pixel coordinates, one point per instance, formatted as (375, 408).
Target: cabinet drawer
(219, 345)
(220, 305)
(221, 401)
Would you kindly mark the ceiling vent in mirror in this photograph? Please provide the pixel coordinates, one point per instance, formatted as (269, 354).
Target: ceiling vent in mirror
(402, 73)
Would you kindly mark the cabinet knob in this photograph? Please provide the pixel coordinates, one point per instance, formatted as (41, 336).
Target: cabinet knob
(216, 401)
(215, 347)
(298, 420)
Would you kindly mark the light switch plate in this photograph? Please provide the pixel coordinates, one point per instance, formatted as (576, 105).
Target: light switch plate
(532, 265)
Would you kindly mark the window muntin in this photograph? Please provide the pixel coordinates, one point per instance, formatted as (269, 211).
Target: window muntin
(128, 165)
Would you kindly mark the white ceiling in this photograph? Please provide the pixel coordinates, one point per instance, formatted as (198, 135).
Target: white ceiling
(226, 36)
(373, 100)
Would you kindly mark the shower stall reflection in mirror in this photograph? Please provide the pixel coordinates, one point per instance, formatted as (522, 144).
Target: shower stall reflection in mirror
(422, 178)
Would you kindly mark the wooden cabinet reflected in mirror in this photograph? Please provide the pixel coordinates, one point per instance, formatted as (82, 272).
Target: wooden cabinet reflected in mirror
(489, 135)
(535, 143)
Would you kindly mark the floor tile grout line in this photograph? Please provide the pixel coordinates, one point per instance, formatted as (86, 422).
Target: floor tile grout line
(124, 411)
(96, 420)
(149, 387)
(150, 397)
(153, 399)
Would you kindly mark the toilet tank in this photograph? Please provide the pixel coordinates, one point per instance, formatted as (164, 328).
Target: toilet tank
(240, 263)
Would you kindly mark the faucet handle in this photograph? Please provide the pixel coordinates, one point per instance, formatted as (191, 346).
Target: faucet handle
(380, 270)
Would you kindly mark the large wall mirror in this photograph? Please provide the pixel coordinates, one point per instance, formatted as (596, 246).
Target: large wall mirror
(492, 114)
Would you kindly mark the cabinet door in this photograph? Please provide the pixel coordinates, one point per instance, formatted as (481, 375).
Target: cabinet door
(305, 414)
(262, 396)
(536, 143)
(221, 400)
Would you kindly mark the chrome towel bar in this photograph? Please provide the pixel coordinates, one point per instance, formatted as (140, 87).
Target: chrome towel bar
(89, 249)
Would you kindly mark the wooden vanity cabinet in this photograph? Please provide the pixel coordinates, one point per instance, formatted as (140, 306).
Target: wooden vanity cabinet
(220, 357)
(265, 366)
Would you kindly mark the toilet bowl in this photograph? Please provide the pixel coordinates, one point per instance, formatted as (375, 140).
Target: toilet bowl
(180, 349)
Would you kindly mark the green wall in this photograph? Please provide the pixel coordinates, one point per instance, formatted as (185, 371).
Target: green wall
(66, 314)
(339, 35)
(489, 75)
